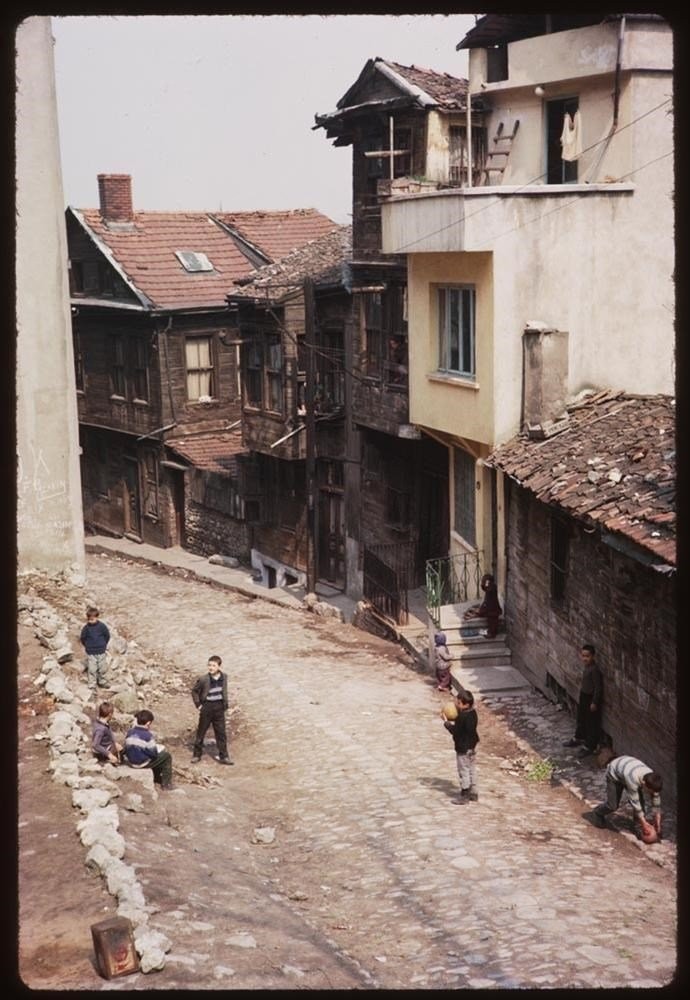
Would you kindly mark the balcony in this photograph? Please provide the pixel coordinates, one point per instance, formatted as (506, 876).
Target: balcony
(473, 219)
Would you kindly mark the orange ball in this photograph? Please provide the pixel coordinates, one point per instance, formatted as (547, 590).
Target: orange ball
(450, 711)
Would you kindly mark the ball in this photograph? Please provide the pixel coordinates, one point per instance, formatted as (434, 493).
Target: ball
(450, 711)
(649, 836)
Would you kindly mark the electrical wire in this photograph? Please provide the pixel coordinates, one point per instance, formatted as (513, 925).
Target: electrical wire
(535, 180)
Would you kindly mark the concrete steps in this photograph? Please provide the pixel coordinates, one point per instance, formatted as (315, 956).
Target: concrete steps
(479, 664)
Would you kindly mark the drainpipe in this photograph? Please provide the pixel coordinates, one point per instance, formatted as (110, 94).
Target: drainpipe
(617, 88)
(469, 136)
(592, 171)
(164, 334)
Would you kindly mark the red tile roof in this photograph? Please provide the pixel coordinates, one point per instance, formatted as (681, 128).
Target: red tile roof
(215, 452)
(145, 250)
(613, 465)
(277, 233)
(324, 260)
(448, 91)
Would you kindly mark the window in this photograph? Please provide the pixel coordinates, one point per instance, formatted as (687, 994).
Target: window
(105, 278)
(193, 261)
(274, 373)
(330, 390)
(457, 154)
(402, 140)
(76, 273)
(558, 170)
(199, 367)
(560, 548)
(373, 324)
(497, 63)
(465, 494)
(254, 369)
(385, 318)
(398, 508)
(456, 315)
(140, 368)
(92, 277)
(78, 362)
(117, 371)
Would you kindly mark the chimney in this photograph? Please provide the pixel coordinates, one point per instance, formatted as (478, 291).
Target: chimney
(544, 378)
(115, 195)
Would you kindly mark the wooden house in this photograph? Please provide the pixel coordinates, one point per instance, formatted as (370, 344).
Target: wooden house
(157, 364)
(406, 127)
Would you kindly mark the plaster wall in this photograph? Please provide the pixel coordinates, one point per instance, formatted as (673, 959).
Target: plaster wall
(50, 533)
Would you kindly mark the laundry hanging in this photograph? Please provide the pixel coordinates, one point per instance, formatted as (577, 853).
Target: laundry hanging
(571, 136)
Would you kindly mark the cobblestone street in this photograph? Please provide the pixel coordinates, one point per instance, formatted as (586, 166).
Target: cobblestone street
(376, 876)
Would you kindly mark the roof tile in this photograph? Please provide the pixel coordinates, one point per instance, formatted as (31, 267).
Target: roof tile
(606, 432)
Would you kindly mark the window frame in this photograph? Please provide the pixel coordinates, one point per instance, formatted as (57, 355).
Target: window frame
(118, 367)
(465, 516)
(140, 369)
(194, 339)
(273, 372)
(466, 339)
(559, 562)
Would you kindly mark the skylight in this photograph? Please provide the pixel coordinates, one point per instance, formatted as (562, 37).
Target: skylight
(193, 261)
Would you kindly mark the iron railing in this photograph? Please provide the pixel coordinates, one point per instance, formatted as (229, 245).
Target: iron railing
(387, 572)
(452, 580)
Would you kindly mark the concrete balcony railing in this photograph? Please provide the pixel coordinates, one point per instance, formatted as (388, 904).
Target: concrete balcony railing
(472, 219)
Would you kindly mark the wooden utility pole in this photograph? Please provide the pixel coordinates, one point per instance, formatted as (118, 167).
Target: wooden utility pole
(311, 435)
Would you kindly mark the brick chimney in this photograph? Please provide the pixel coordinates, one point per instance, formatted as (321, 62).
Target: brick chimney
(115, 195)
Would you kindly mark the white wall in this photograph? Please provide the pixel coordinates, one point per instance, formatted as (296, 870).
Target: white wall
(50, 531)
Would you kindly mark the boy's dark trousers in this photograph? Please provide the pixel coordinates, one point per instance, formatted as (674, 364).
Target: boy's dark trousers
(161, 766)
(211, 713)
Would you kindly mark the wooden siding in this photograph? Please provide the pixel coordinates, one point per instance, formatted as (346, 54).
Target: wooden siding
(624, 608)
(106, 458)
(190, 415)
(98, 403)
(366, 211)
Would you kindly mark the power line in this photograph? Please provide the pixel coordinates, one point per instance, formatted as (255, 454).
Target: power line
(484, 208)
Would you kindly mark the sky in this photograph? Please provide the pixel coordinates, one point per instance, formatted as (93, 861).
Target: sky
(216, 112)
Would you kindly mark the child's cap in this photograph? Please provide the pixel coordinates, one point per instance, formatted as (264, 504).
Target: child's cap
(440, 638)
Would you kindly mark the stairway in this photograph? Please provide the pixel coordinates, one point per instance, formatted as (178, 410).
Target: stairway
(481, 665)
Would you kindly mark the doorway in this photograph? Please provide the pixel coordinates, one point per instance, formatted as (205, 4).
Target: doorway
(132, 498)
(558, 170)
(331, 525)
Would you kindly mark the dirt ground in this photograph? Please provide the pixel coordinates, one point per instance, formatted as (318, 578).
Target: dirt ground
(57, 902)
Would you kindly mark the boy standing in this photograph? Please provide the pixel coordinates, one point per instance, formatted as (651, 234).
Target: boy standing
(464, 733)
(95, 637)
(442, 661)
(103, 742)
(141, 750)
(210, 695)
(588, 726)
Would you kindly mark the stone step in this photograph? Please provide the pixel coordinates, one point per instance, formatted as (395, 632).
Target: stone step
(480, 660)
(475, 642)
(489, 680)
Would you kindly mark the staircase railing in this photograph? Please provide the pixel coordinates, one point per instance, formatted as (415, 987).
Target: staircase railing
(452, 580)
(387, 570)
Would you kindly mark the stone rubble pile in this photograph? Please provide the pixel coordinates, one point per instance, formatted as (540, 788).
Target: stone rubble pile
(96, 788)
